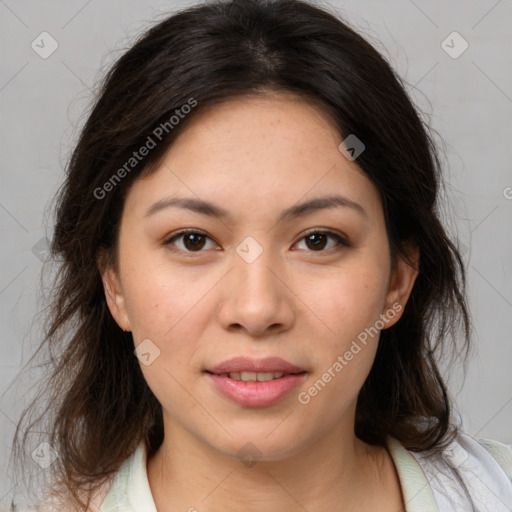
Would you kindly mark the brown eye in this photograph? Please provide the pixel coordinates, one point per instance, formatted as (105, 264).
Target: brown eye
(317, 241)
(191, 240)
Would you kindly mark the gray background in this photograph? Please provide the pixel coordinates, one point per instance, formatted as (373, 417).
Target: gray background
(468, 100)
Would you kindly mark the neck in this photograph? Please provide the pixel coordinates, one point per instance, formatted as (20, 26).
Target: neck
(337, 472)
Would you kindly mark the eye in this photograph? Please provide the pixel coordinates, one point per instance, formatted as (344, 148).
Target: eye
(193, 240)
(317, 240)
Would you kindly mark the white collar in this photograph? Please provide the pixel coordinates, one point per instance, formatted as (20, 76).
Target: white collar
(461, 476)
(131, 482)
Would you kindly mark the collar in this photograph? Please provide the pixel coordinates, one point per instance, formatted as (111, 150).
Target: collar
(417, 492)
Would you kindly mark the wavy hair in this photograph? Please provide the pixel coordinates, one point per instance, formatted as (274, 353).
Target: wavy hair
(99, 406)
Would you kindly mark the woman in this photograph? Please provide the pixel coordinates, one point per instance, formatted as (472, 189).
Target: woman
(256, 282)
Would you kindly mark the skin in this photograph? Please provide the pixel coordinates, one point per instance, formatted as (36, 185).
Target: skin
(203, 304)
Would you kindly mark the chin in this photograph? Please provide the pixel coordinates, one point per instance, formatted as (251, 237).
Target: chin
(259, 444)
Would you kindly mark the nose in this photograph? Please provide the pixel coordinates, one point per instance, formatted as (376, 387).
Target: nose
(256, 297)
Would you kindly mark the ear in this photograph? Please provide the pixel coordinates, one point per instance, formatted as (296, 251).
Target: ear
(114, 294)
(401, 281)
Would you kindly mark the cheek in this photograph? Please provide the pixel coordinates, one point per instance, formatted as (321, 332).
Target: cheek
(350, 304)
(161, 299)
(168, 308)
(348, 301)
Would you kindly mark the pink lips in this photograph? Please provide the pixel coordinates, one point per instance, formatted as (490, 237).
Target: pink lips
(246, 364)
(255, 393)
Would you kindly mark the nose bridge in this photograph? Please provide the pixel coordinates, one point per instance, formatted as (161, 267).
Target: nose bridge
(254, 267)
(257, 298)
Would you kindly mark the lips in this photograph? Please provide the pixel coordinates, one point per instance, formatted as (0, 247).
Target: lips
(254, 376)
(246, 364)
(256, 382)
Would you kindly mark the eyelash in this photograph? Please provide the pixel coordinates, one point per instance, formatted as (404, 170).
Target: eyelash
(342, 242)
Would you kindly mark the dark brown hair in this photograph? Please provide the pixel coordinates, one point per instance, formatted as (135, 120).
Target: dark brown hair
(100, 407)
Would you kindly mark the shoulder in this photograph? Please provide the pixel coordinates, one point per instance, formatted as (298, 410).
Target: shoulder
(130, 490)
(52, 503)
(476, 472)
(501, 452)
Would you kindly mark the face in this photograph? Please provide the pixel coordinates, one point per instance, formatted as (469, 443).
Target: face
(313, 287)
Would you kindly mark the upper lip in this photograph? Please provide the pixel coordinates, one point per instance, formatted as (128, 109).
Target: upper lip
(247, 364)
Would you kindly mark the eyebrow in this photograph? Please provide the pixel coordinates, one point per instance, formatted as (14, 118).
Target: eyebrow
(212, 210)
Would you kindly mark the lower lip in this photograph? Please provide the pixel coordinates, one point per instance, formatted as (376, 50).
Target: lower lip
(257, 394)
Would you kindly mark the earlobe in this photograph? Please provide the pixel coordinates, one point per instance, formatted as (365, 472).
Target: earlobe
(402, 279)
(115, 297)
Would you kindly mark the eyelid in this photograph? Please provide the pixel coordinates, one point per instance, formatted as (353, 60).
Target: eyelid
(168, 239)
(341, 238)
(184, 231)
(327, 231)
(342, 241)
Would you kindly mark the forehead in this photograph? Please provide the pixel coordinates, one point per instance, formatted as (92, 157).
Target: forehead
(246, 125)
(251, 152)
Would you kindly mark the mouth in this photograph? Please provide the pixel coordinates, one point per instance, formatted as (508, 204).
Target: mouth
(248, 366)
(247, 376)
(255, 383)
